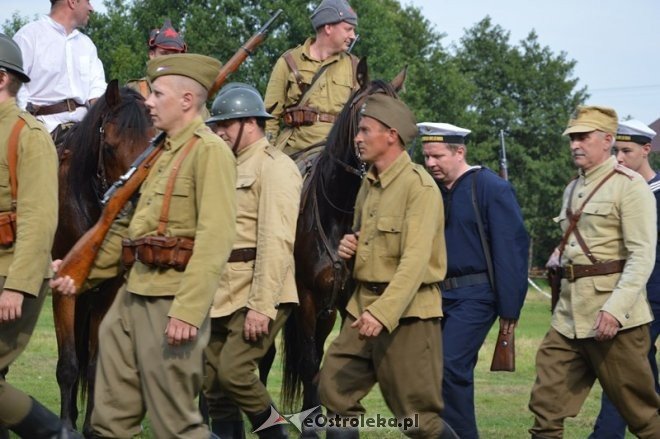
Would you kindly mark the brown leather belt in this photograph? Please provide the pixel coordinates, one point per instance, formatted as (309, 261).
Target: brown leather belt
(243, 255)
(67, 105)
(305, 116)
(572, 272)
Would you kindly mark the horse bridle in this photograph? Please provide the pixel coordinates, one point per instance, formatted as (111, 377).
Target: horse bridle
(100, 165)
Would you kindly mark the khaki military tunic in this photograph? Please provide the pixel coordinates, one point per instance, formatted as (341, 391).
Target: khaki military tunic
(399, 214)
(329, 96)
(619, 222)
(137, 369)
(25, 266)
(401, 223)
(267, 198)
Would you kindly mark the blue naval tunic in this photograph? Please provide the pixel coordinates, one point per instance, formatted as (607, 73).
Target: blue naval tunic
(505, 231)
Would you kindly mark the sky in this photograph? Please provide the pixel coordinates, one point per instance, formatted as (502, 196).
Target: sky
(614, 42)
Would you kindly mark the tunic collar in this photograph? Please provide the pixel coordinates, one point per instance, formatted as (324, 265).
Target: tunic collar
(390, 174)
(176, 142)
(599, 171)
(308, 57)
(7, 107)
(249, 151)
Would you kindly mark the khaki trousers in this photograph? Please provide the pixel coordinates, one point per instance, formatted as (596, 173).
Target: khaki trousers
(138, 372)
(230, 381)
(14, 337)
(407, 364)
(566, 371)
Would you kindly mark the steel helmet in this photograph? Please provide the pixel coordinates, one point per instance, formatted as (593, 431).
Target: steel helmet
(11, 58)
(237, 100)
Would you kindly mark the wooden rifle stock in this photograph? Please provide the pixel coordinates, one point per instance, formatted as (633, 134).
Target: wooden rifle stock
(504, 356)
(78, 261)
(241, 54)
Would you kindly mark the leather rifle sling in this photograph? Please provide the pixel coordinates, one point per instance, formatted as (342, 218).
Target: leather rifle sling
(165, 211)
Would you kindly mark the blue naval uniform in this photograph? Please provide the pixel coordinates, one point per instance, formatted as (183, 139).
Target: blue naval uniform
(610, 424)
(470, 310)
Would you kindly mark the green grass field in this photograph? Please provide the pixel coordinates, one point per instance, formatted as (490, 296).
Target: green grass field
(501, 398)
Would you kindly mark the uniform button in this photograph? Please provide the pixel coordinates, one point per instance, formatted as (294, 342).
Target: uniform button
(580, 195)
(366, 242)
(572, 244)
(627, 316)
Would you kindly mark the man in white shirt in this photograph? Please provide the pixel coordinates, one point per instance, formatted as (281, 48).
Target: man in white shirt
(67, 74)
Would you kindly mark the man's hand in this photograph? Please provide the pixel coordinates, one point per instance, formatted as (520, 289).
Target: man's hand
(606, 326)
(348, 246)
(553, 260)
(11, 304)
(507, 326)
(63, 284)
(256, 325)
(368, 325)
(179, 332)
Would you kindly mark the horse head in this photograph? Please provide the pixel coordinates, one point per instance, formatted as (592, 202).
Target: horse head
(113, 133)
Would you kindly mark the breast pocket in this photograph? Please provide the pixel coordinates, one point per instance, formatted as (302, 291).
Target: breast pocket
(389, 236)
(5, 194)
(339, 91)
(597, 218)
(182, 212)
(245, 197)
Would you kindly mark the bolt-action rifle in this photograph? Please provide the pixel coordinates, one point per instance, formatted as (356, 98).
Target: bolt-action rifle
(78, 261)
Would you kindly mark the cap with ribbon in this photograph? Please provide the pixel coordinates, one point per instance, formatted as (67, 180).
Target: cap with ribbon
(634, 131)
(438, 132)
(592, 118)
(201, 68)
(167, 38)
(392, 113)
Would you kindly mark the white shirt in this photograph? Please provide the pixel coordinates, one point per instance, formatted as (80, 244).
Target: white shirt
(60, 66)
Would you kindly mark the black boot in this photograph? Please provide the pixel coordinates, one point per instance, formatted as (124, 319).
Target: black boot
(274, 432)
(226, 429)
(448, 432)
(41, 423)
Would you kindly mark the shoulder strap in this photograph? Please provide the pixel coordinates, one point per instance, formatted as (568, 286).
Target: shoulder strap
(288, 58)
(482, 233)
(12, 159)
(575, 217)
(165, 211)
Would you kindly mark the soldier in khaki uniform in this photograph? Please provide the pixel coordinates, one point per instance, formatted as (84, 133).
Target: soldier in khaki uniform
(153, 337)
(24, 264)
(394, 313)
(600, 324)
(163, 41)
(304, 106)
(257, 289)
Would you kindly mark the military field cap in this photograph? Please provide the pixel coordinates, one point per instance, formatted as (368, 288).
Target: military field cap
(167, 38)
(635, 131)
(393, 113)
(11, 58)
(592, 118)
(333, 11)
(201, 68)
(442, 133)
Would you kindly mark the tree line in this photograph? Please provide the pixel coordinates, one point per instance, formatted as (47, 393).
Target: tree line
(484, 82)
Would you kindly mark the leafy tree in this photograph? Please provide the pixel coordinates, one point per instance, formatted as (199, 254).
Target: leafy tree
(527, 91)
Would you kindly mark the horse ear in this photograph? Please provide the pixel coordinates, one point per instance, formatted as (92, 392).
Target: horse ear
(398, 82)
(112, 97)
(362, 73)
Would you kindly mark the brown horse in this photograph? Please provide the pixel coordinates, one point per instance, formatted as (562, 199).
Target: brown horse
(326, 214)
(97, 151)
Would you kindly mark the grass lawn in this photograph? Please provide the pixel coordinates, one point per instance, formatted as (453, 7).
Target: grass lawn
(501, 398)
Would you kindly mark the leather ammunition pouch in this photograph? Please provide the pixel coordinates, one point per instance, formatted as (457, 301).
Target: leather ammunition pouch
(158, 251)
(305, 116)
(7, 228)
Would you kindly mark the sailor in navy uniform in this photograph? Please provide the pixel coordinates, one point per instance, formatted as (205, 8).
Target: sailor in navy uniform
(471, 300)
(632, 149)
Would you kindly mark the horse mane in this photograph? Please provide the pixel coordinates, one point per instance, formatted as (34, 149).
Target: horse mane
(340, 141)
(85, 142)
